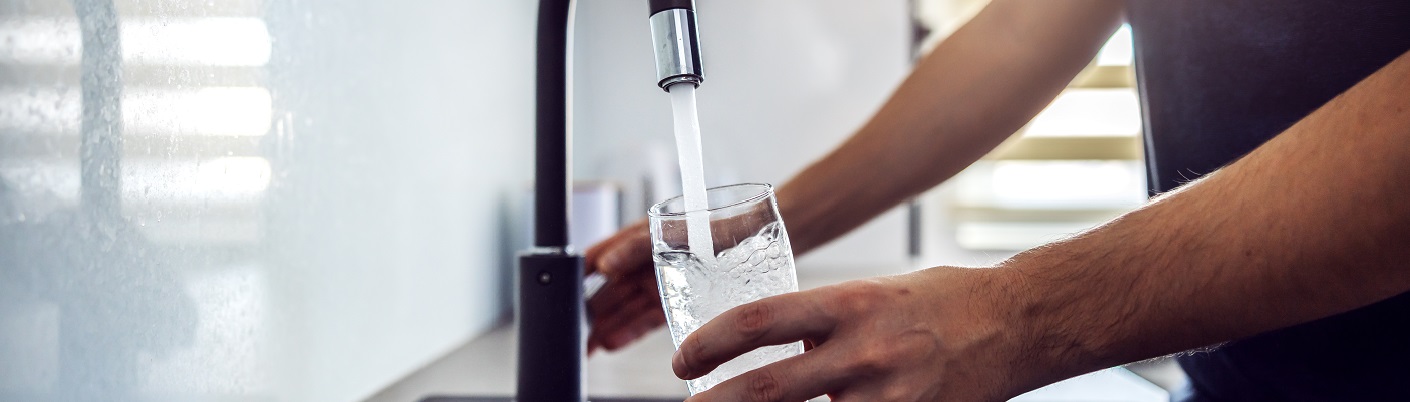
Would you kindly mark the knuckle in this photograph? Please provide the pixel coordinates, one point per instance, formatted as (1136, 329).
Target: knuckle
(861, 296)
(875, 358)
(764, 387)
(866, 363)
(897, 394)
(754, 320)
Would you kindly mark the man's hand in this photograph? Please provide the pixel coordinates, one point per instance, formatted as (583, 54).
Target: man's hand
(975, 89)
(932, 334)
(1310, 224)
(628, 305)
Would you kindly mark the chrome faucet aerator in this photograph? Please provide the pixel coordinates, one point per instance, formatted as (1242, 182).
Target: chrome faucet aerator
(677, 43)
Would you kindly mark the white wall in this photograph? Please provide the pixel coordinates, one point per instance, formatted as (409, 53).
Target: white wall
(786, 81)
(315, 195)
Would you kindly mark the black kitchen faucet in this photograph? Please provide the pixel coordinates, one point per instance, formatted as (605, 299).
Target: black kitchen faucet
(551, 310)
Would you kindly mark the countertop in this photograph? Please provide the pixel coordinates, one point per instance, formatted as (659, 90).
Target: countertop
(485, 366)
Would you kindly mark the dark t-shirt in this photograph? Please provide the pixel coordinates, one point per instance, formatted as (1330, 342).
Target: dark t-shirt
(1218, 78)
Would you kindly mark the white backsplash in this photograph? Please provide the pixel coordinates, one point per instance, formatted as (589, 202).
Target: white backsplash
(311, 197)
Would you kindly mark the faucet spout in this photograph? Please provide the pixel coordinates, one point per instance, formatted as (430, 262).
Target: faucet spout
(551, 312)
(676, 41)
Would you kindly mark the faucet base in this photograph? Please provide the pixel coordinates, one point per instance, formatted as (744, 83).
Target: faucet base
(551, 327)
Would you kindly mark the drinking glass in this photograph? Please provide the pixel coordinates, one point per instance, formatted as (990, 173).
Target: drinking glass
(750, 260)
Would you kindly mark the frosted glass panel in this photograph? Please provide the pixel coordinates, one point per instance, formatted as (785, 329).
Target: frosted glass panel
(254, 199)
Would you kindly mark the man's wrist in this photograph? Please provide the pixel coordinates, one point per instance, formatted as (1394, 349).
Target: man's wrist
(1056, 332)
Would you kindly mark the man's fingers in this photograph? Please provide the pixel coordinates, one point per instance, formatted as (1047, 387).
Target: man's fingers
(606, 311)
(635, 329)
(611, 332)
(644, 322)
(626, 251)
(619, 290)
(624, 260)
(798, 378)
(772, 321)
(592, 258)
(615, 329)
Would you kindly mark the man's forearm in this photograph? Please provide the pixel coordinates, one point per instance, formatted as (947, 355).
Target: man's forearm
(1312, 223)
(975, 89)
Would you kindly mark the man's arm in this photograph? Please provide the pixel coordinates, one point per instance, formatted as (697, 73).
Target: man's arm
(975, 89)
(1312, 223)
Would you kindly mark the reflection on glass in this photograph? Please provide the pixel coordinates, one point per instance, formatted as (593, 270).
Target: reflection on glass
(219, 41)
(154, 297)
(231, 111)
(228, 111)
(250, 200)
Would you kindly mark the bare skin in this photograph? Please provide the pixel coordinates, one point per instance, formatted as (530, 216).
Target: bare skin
(1311, 224)
(1308, 225)
(970, 93)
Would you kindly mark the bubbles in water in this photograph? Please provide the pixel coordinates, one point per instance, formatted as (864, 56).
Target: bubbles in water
(694, 292)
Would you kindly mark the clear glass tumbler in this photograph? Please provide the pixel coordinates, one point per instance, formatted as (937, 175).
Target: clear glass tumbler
(751, 260)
